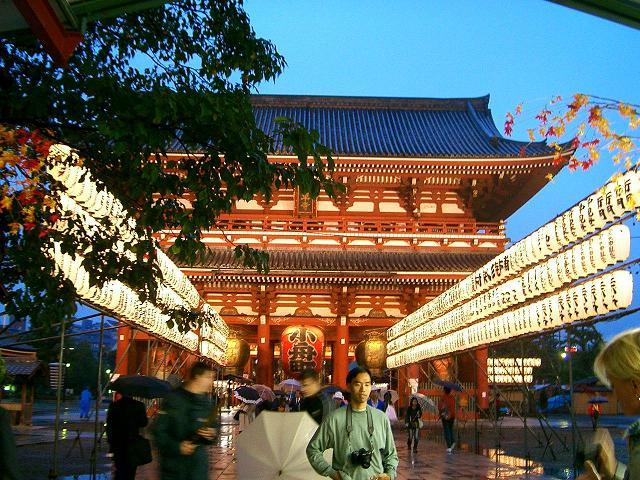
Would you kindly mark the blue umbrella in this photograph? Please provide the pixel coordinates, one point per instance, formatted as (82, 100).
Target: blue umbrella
(556, 402)
(247, 394)
(451, 385)
(329, 390)
(599, 399)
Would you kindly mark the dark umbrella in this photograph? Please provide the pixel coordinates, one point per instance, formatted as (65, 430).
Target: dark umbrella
(598, 399)
(141, 386)
(451, 385)
(247, 394)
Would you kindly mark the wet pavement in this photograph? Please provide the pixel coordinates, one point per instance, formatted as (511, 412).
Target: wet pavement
(431, 461)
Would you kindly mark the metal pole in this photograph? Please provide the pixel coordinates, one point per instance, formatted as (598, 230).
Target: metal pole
(98, 403)
(476, 434)
(53, 471)
(148, 354)
(525, 411)
(571, 404)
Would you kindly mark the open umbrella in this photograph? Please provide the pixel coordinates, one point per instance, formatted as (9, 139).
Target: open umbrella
(425, 402)
(247, 394)
(265, 392)
(141, 386)
(283, 439)
(451, 385)
(598, 399)
(329, 390)
(289, 385)
(394, 395)
(542, 386)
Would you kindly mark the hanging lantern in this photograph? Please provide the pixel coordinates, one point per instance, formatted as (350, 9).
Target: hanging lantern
(372, 353)
(302, 349)
(237, 356)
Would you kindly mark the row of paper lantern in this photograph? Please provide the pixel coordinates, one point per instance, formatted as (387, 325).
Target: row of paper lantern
(80, 186)
(600, 251)
(605, 205)
(515, 379)
(509, 370)
(82, 194)
(603, 294)
(165, 296)
(215, 326)
(514, 362)
(102, 204)
(116, 297)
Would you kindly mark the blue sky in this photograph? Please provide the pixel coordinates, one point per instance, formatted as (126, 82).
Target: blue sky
(524, 51)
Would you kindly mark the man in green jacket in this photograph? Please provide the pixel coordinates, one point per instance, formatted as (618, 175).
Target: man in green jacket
(181, 430)
(360, 435)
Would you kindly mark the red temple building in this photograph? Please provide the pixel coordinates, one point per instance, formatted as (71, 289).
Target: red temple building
(429, 185)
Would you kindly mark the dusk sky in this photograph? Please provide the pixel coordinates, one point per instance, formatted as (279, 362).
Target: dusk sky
(518, 52)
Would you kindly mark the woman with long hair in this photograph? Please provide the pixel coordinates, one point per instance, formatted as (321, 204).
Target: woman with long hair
(412, 421)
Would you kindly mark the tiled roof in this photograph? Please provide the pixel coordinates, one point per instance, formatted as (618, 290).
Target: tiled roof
(21, 366)
(353, 261)
(395, 127)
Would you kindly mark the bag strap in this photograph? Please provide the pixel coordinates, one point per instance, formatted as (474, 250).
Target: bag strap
(350, 421)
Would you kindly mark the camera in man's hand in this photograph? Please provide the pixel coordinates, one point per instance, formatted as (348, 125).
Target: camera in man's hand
(362, 457)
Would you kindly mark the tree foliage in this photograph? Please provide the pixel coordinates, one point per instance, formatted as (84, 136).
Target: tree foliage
(549, 346)
(170, 79)
(593, 124)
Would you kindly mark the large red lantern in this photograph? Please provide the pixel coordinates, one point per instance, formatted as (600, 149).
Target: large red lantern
(302, 349)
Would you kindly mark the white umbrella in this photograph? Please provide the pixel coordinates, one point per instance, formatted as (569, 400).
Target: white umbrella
(274, 446)
(425, 402)
(394, 395)
(289, 385)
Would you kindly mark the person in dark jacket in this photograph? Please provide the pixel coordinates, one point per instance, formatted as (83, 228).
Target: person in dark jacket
(412, 422)
(296, 402)
(181, 430)
(125, 418)
(8, 462)
(315, 403)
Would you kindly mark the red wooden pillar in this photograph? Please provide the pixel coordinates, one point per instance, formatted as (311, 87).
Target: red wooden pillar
(482, 379)
(123, 350)
(403, 387)
(341, 354)
(264, 370)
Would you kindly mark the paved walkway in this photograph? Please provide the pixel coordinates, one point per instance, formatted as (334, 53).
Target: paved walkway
(431, 462)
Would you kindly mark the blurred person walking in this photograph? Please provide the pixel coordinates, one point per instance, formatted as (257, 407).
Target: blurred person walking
(182, 428)
(315, 402)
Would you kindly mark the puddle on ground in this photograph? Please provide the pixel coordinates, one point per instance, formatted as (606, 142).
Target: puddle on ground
(514, 465)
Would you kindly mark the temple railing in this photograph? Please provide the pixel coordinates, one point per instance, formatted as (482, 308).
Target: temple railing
(463, 228)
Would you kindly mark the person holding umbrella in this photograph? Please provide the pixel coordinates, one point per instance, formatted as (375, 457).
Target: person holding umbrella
(183, 427)
(360, 435)
(412, 421)
(447, 411)
(125, 418)
(594, 413)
